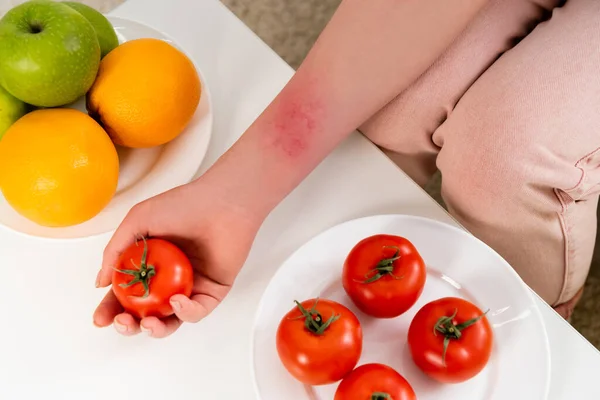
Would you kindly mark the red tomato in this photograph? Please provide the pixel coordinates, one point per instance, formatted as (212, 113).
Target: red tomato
(384, 275)
(450, 340)
(319, 341)
(148, 274)
(374, 382)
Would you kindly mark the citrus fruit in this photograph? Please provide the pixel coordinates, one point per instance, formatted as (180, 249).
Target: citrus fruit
(58, 167)
(145, 94)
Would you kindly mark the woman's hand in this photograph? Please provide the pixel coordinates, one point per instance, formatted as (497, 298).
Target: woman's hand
(204, 222)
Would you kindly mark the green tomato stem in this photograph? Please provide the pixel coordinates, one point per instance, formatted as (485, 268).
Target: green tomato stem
(451, 331)
(381, 396)
(143, 274)
(383, 267)
(313, 321)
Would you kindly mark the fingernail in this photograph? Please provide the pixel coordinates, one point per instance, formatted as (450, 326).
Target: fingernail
(176, 305)
(146, 330)
(98, 279)
(120, 327)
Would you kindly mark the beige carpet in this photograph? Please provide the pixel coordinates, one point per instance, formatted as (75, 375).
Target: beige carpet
(290, 27)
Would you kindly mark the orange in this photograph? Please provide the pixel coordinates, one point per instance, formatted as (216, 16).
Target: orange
(145, 94)
(58, 167)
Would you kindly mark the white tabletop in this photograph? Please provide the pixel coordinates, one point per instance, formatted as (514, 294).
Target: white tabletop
(49, 348)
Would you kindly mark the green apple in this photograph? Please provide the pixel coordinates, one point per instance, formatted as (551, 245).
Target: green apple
(49, 53)
(11, 109)
(105, 31)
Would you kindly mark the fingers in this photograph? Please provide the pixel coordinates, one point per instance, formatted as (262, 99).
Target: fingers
(126, 325)
(158, 328)
(127, 233)
(111, 312)
(186, 309)
(108, 309)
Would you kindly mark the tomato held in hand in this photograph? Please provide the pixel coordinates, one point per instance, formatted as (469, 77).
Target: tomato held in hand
(319, 342)
(374, 382)
(450, 340)
(384, 275)
(148, 273)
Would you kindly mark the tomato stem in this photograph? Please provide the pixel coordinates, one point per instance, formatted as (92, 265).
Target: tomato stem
(383, 267)
(313, 321)
(451, 331)
(381, 396)
(142, 274)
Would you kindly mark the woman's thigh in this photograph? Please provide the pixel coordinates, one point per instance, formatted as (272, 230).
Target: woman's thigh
(405, 126)
(520, 152)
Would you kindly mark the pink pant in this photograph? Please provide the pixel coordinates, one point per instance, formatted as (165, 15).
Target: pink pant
(511, 115)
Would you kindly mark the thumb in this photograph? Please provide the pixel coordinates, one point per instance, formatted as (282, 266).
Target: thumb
(195, 308)
(125, 235)
(206, 297)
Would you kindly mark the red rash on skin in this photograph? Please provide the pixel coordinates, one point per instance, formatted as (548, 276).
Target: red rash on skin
(294, 124)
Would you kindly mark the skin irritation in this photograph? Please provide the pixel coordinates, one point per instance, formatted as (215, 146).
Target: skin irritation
(294, 125)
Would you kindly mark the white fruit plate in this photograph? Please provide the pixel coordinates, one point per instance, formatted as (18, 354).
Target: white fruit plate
(458, 265)
(143, 172)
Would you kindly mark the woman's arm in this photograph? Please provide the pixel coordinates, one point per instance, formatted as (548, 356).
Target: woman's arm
(370, 51)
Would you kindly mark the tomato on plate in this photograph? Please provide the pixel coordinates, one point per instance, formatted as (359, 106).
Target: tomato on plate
(374, 382)
(147, 274)
(450, 340)
(384, 275)
(319, 341)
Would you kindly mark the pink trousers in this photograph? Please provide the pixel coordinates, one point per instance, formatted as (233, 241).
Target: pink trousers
(510, 115)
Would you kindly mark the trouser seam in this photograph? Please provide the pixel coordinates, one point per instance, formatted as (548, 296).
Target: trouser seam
(562, 218)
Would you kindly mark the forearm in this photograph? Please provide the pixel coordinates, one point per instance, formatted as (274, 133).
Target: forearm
(369, 52)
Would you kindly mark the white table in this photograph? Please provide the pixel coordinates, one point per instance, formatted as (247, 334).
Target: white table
(49, 348)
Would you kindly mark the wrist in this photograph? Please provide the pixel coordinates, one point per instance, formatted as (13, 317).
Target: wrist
(234, 183)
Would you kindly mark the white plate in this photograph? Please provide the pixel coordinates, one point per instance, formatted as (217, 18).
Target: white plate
(458, 265)
(143, 172)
